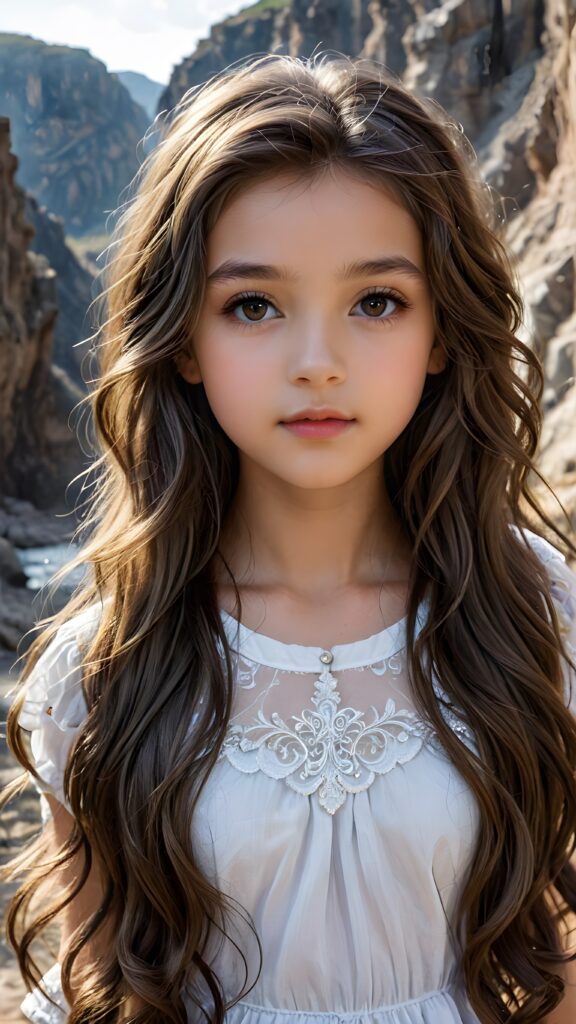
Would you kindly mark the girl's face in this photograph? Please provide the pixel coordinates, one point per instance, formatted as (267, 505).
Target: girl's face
(301, 331)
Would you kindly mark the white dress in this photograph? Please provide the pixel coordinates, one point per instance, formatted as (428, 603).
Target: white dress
(333, 816)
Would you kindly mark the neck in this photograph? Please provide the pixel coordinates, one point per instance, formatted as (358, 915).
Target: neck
(313, 542)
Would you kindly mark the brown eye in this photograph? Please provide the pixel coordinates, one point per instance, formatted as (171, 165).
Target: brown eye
(375, 304)
(252, 306)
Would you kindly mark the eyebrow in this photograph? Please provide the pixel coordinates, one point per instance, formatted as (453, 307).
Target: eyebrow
(234, 269)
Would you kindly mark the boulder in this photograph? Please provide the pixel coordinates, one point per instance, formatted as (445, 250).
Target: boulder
(10, 569)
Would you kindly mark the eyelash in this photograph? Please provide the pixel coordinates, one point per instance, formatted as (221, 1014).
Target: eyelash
(387, 293)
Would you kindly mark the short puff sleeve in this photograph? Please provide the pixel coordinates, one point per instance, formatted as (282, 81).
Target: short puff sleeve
(37, 1008)
(53, 713)
(55, 709)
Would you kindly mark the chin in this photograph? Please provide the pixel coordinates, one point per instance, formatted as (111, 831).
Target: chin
(315, 481)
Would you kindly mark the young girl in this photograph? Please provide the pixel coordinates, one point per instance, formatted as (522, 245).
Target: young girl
(305, 730)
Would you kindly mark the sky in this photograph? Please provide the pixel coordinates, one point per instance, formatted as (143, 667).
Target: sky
(149, 36)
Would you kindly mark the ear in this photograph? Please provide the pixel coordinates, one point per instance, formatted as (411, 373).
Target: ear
(187, 366)
(437, 359)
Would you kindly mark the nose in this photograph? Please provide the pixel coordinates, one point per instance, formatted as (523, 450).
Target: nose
(315, 356)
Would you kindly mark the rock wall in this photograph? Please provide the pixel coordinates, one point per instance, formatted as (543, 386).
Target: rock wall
(544, 239)
(75, 290)
(38, 451)
(266, 29)
(75, 128)
(143, 90)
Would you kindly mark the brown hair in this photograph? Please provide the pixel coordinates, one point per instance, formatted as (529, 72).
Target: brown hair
(458, 476)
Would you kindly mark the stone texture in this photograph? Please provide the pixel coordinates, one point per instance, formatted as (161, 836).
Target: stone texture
(75, 290)
(18, 614)
(10, 568)
(266, 30)
(22, 525)
(143, 90)
(26, 526)
(39, 453)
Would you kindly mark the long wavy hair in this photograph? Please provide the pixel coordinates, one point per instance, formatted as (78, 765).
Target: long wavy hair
(164, 478)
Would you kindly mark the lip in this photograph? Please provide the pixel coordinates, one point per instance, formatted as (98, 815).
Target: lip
(318, 429)
(317, 414)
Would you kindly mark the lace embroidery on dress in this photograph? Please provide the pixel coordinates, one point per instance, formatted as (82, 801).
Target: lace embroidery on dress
(329, 749)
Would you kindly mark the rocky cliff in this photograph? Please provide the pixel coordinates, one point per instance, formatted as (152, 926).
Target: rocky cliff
(261, 27)
(544, 239)
(507, 74)
(75, 290)
(143, 90)
(75, 128)
(38, 451)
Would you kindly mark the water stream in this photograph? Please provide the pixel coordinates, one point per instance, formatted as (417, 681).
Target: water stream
(40, 564)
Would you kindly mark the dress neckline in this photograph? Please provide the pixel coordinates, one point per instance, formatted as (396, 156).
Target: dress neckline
(266, 650)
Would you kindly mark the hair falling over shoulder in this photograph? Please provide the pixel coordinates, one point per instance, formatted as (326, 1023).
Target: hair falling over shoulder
(165, 475)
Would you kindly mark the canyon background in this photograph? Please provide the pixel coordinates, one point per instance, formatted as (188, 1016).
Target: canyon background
(72, 135)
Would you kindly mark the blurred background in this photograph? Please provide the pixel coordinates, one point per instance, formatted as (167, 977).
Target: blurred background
(80, 87)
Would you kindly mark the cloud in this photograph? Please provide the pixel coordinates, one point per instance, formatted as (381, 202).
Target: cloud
(178, 13)
(149, 36)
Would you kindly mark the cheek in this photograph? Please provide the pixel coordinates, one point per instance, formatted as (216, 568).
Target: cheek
(395, 380)
(237, 389)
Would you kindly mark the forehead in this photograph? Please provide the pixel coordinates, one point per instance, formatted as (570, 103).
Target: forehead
(297, 219)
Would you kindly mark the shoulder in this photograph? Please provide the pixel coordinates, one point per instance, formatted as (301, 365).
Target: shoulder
(56, 676)
(54, 706)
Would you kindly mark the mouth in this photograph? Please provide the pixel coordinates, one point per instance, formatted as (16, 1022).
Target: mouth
(317, 419)
(327, 426)
(317, 415)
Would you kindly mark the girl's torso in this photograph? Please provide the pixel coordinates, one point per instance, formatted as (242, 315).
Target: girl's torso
(333, 817)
